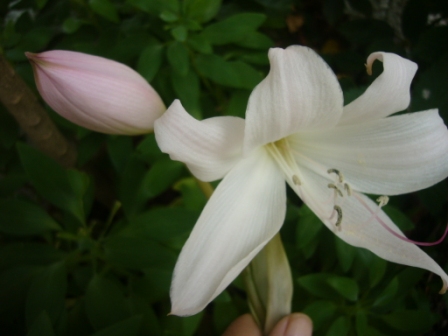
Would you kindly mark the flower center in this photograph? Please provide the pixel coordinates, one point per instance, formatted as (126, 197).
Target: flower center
(281, 153)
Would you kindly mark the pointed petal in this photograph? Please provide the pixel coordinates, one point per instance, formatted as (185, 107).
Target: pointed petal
(243, 214)
(210, 148)
(389, 93)
(360, 226)
(300, 92)
(389, 156)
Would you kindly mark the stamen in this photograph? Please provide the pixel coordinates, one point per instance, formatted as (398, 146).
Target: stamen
(338, 173)
(383, 201)
(296, 180)
(338, 209)
(348, 189)
(336, 189)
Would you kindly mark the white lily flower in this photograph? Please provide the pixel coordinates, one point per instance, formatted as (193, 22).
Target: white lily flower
(296, 129)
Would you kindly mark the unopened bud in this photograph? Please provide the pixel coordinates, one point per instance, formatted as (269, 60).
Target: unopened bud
(96, 93)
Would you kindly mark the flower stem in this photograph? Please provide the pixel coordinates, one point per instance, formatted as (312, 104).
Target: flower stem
(269, 285)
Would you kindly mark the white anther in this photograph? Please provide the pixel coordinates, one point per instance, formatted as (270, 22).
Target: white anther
(338, 209)
(336, 189)
(338, 173)
(296, 180)
(382, 200)
(348, 189)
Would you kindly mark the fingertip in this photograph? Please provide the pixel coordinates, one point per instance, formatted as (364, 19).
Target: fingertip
(243, 326)
(296, 324)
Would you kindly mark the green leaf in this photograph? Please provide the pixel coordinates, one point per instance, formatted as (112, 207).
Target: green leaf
(131, 180)
(387, 295)
(193, 197)
(177, 55)
(361, 323)
(169, 16)
(238, 103)
(191, 323)
(233, 29)
(105, 302)
(154, 285)
(71, 25)
(128, 327)
(410, 320)
(60, 187)
(150, 60)
(235, 74)
(399, 218)
(202, 10)
(258, 58)
(161, 176)
(340, 327)
(223, 314)
(14, 285)
(180, 33)
(347, 287)
(317, 284)
(47, 293)
(119, 149)
(346, 254)
(106, 9)
(187, 88)
(23, 218)
(162, 225)
(41, 3)
(22, 253)
(41, 326)
(377, 270)
(200, 44)
(148, 149)
(150, 324)
(320, 312)
(10, 183)
(138, 253)
(308, 227)
(256, 40)
(156, 6)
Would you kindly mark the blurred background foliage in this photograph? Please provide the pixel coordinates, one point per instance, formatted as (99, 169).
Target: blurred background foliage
(91, 250)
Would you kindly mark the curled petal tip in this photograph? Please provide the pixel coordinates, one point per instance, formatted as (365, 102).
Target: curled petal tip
(368, 68)
(444, 288)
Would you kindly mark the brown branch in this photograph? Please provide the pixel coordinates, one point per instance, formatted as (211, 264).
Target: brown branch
(24, 106)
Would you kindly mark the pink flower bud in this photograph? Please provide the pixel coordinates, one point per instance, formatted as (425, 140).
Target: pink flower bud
(96, 93)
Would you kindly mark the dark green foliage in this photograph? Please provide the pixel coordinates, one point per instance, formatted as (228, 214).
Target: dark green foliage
(91, 250)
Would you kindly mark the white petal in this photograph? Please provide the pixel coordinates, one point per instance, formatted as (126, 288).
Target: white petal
(390, 156)
(210, 148)
(389, 93)
(243, 214)
(300, 92)
(360, 227)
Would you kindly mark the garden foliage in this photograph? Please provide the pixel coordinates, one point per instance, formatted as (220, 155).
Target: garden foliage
(90, 249)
